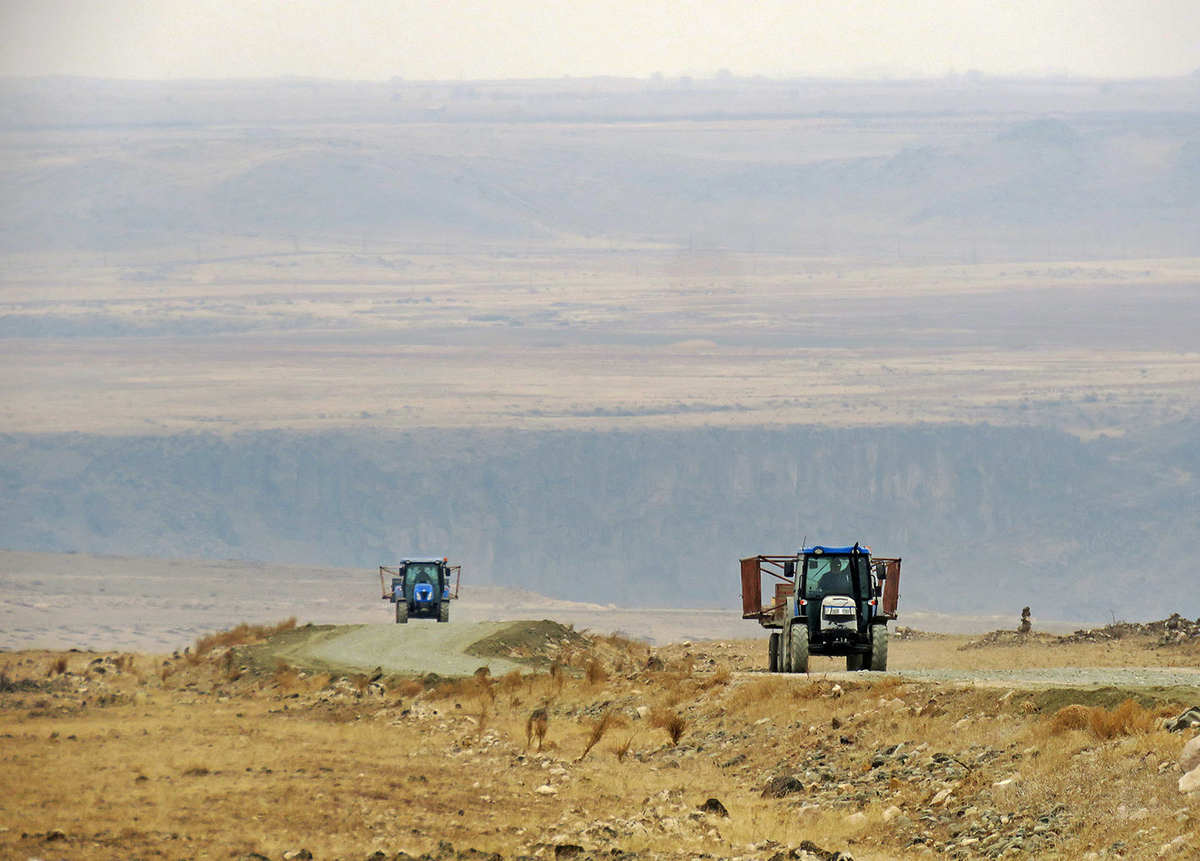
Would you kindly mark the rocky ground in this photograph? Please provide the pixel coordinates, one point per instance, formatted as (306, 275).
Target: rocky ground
(671, 753)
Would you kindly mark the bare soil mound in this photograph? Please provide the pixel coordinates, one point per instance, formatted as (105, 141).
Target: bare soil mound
(529, 642)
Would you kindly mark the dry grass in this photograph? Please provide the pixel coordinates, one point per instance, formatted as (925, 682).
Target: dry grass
(595, 673)
(1128, 718)
(239, 635)
(601, 725)
(671, 721)
(286, 760)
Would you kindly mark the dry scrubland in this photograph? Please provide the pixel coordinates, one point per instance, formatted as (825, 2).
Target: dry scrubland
(218, 753)
(570, 338)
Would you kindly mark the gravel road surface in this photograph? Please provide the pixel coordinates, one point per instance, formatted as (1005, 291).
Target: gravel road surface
(418, 647)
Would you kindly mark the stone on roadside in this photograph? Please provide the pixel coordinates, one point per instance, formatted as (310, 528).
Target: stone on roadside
(1190, 782)
(783, 785)
(1189, 758)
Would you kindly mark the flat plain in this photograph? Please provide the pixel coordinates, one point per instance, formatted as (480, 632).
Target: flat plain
(597, 340)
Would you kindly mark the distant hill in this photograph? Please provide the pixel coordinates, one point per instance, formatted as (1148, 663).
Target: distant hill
(987, 519)
(946, 169)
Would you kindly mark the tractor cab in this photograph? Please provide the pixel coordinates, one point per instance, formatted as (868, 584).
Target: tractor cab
(836, 592)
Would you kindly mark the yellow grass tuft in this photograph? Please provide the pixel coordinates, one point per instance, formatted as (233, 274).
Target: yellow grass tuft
(608, 720)
(595, 672)
(1127, 719)
(239, 635)
(670, 720)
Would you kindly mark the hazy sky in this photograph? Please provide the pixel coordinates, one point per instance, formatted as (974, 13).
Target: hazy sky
(452, 39)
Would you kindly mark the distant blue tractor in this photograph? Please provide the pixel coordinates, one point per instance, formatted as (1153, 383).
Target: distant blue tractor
(828, 601)
(420, 588)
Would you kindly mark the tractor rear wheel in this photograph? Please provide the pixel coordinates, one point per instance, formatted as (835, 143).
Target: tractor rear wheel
(854, 663)
(773, 652)
(798, 648)
(444, 611)
(879, 648)
(401, 611)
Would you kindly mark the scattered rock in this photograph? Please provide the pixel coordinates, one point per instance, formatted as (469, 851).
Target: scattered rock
(715, 807)
(546, 789)
(297, 855)
(1190, 782)
(782, 786)
(1189, 758)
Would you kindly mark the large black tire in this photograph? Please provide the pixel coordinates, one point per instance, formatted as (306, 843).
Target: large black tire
(879, 648)
(785, 648)
(773, 652)
(402, 611)
(444, 611)
(798, 648)
(854, 663)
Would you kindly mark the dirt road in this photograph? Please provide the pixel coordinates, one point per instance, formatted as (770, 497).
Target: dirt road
(457, 649)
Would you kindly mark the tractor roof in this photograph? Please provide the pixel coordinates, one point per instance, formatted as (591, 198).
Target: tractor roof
(437, 559)
(827, 550)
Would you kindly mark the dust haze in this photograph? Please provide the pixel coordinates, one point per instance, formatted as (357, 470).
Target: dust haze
(598, 338)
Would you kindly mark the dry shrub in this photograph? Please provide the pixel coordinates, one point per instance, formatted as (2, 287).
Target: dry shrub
(407, 687)
(361, 682)
(757, 692)
(622, 750)
(536, 726)
(58, 666)
(285, 676)
(1069, 718)
(608, 720)
(887, 687)
(164, 673)
(670, 720)
(595, 672)
(557, 677)
(1128, 718)
(240, 635)
(485, 714)
(719, 678)
(510, 684)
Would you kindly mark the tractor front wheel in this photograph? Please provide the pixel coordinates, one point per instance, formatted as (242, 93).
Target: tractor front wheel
(773, 652)
(879, 648)
(444, 611)
(854, 663)
(798, 648)
(401, 612)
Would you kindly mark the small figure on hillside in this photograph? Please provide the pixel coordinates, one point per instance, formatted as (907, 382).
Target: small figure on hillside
(1026, 625)
(538, 723)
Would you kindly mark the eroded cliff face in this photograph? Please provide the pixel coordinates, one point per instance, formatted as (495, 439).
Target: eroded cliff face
(987, 519)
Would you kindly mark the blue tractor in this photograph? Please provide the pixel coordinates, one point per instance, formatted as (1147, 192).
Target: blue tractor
(420, 588)
(828, 601)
